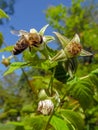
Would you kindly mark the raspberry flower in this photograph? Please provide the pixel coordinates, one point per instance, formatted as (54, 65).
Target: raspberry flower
(71, 48)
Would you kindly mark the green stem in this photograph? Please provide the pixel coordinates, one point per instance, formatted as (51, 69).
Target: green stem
(46, 128)
(55, 109)
(50, 86)
(26, 77)
(63, 97)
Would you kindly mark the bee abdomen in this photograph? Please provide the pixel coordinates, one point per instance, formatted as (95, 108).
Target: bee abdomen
(20, 46)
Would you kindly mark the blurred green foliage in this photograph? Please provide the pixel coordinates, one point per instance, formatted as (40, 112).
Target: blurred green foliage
(81, 18)
(75, 98)
(8, 7)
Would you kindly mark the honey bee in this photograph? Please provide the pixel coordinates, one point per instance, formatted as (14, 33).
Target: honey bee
(26, 40)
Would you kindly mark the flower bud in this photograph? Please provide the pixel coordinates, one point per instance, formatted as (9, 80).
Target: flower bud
(6, 61)
(42, 94)
(45, 107)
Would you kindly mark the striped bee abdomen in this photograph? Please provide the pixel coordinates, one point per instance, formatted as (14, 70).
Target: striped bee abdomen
(20, 46)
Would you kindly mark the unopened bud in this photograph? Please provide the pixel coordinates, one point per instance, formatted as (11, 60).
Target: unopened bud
(6, 61)
(45, 107)
(42, 94)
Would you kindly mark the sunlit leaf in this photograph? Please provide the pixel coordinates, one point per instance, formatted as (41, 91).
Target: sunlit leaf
(58, 123)
(8, 48)
(1, 39)
(3, 14)
(73, 118)
(95, 72)
(14, 66)
(35, 122)
(93, 76)
(82, 90)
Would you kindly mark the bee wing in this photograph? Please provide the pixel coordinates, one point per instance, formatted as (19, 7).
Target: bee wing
(19, 32)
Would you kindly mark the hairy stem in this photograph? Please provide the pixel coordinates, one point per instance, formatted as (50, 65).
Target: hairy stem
(50, 86)
(26, 77)
(46, 128)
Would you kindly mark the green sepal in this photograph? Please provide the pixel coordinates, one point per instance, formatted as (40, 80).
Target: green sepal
(85, 53)
(63, 40)
(41, 32)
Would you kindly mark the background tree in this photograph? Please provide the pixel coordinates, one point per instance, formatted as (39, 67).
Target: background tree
(8, 7)
(81, 18)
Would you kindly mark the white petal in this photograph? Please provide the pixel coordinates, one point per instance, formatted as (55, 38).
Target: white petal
(33, 30)
(3, 57)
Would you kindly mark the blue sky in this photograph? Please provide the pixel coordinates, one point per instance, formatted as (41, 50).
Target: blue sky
(28, 14)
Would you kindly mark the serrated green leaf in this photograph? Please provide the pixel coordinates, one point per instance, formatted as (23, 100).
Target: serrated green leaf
(93, 76)
(82, 90)
(8, 48)
(41, 32)
(73, 118)
(3, 14)
(1, 39)
(95, 72)
(58, 123)
(35, 122)
(14, 66)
